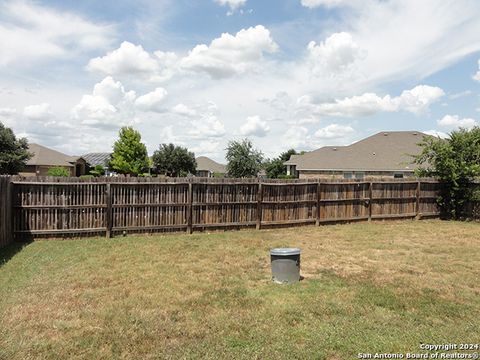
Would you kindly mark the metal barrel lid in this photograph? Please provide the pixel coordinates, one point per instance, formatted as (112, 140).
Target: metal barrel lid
(285, 251)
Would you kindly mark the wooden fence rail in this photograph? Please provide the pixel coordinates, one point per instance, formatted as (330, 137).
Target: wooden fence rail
(111, 206)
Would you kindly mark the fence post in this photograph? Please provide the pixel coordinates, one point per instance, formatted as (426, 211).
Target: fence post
(259, 205)
(417, 204)
(370, 197)
(109, 217)
(317, 222)
(190, 208)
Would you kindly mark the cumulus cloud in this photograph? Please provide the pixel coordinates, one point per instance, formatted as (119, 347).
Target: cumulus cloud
(254, 126)
(30, 32)
(297, 137)
(7, 116)
(153, 101)
(183, 110)
(209, 126)
(229, 54)
(7, 112)
(454, 121)
(333, 55)
(110, 105)
(416, 100)
(38, 112)
(334, 131)
(206, 148)
(132, 60)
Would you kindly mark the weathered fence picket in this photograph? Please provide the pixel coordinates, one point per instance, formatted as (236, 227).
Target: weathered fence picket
(6, 235)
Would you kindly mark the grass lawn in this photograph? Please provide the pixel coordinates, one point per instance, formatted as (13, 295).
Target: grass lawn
(368, 287)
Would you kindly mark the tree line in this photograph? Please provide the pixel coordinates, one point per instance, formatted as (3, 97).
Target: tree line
(130, 157)
(454, 161)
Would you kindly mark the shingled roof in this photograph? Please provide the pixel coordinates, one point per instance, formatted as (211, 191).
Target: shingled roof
(206, 164)
(384, 151)
(46, 156)
(94, 159)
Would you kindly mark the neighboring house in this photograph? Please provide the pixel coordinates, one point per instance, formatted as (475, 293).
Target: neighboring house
(45, 158)
(94, 159)
(387, 154)
(206, 167)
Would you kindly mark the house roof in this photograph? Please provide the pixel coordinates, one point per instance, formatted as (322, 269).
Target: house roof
(384, 151)
(206, 164)
(46, 156)
(94, 159)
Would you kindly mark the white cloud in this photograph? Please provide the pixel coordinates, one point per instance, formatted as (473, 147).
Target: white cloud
(454, 121)
(410, 38)
(108, 106)
(334, 131)
(460, 94)
(153, 101)
(436, 133)
(233, 4)
(297, 137)
(229, 55)
(30, 32)
(206, 148)
(254, 126)
(7, 112)
(133, 61)
(183, 110)
(167, 136)
(7, 116)
(416, 100)
(38, 112)
(334, 55)
(206, 127)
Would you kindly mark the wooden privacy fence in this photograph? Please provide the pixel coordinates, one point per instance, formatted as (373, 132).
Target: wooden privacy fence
(112, 206)
(6, 235)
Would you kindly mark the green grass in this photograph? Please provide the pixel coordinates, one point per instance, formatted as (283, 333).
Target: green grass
(368, 287)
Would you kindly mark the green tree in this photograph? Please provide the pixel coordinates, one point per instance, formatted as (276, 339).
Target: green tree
(129, 153)
(243, 160)
(97, 171)
(275, 168)
(13, 152)
(59, 171)
(174, 161)
(456, 163)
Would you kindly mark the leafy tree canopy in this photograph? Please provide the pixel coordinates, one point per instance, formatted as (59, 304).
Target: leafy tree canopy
(13, 152)
(97, 171)
(275, 168)
(174, 160)
(59, 171)
(456, 163)
(129, 153)
(243, 160)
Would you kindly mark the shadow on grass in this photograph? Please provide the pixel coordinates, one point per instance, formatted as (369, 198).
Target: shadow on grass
(11, 250)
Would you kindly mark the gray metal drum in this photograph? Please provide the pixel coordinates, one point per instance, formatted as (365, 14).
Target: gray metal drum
(285, 265)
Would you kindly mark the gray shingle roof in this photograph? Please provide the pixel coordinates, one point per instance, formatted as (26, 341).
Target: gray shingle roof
(387, 150)
(94, 159)
(206, 164)
(46, 156)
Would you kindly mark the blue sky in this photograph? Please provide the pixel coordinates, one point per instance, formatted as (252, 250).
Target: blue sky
(284, 73)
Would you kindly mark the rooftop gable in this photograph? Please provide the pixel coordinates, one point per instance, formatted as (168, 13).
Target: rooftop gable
(384, 151)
